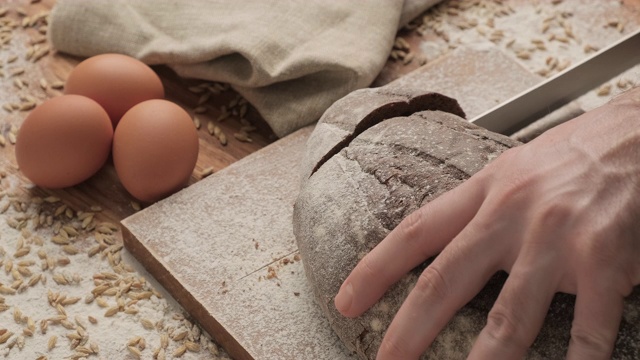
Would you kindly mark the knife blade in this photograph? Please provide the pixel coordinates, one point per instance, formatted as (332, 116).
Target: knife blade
(564, 87)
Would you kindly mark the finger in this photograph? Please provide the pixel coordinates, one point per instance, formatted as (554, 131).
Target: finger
(421, 235)
(451, 281)
(596, 321)
(518, 314)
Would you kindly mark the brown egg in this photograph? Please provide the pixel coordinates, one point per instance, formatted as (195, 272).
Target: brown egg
(155, 148)
(64, 141)
(117, 82)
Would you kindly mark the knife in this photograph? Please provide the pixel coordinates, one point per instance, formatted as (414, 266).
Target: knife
(564, 87)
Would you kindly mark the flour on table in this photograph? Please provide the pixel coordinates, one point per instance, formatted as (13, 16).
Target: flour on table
(58, 302)
(544, 38)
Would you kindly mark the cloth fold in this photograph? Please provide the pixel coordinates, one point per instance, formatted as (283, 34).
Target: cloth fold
(290, 59)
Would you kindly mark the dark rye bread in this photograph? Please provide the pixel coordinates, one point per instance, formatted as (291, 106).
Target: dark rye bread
(360, 110)
(354, 199)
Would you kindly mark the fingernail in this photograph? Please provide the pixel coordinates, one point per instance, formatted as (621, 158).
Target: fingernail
(344, 298)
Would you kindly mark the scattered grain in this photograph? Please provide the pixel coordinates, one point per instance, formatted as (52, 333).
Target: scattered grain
(39, 54)
(60, 279)
(180, 336)
(204, 98)
(192, 346)
(604, 90)
(38, 40)
(4, 337)
(17, 315)
(197, 89)
(60, 240)
(134, 351)
(523, 54)
(51, 199)
(5, 290)
(563, 65)
(70, 249)
(160, 355)
(12, 138)
(545, 27)
(94, 250)
(22, 252)
(57, 85)
(206, 172)
(52, 342)
(241, 136)
(179, 351)
(408, 58)
(222, 138)
(623, 83)
(17, 71)
(211, 128)
(34, 280)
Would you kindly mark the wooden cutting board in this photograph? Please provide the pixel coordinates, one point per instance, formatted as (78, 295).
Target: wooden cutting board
(224, 247)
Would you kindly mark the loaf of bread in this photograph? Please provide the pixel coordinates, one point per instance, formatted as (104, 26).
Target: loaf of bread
(373, 159)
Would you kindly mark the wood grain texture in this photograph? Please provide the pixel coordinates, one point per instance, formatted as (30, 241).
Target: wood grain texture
(104, 189)
(224, 248)
(219, 246)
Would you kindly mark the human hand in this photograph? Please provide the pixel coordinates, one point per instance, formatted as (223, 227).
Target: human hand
(560, 214)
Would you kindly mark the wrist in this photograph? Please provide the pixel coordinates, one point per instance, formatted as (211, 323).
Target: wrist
(607, 129)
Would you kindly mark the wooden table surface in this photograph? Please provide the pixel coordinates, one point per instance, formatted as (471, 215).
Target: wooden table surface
(104, 190)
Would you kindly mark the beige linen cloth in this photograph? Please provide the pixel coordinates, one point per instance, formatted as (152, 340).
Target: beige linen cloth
(291, 59)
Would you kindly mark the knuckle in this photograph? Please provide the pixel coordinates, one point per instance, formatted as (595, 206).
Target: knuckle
(556, 213)
(502, 326)
(410, 231)
(410, 227)
(553, 215)
(590, 343)
(432, 285)
(516, 185)
(485, 225)
(519, 178)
